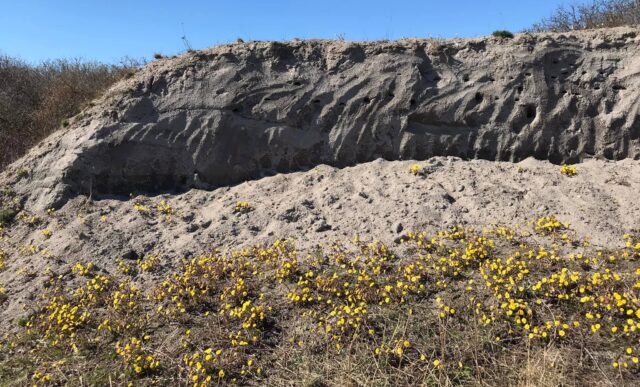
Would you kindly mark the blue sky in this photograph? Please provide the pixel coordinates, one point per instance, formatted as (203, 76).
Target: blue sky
(109, 30)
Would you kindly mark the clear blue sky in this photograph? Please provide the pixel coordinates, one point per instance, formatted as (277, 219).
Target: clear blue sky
(110, 29)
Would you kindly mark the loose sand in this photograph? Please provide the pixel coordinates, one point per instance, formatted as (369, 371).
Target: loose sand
(379, 199)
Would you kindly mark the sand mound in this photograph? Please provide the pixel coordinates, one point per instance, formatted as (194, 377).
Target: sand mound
(380, 199)
(241, 111)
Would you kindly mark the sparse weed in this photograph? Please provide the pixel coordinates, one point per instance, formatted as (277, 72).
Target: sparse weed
(22, 173)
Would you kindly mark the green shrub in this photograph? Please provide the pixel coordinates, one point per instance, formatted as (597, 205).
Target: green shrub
(503, 34)
(7, 215)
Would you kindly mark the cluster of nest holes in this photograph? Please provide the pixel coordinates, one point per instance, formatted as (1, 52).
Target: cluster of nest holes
(519, 91)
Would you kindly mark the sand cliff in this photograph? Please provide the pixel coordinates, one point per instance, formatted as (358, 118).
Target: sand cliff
(241, 111)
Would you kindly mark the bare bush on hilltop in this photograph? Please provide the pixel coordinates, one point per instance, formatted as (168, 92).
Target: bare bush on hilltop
(36, 100)
(596, 14)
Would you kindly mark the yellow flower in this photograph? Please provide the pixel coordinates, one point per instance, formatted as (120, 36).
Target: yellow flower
(568, 170)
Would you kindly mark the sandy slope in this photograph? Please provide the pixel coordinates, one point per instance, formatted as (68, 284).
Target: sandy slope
(373, 200)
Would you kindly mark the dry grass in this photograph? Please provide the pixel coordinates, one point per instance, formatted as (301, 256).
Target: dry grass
(37, 100)
(590, 15)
